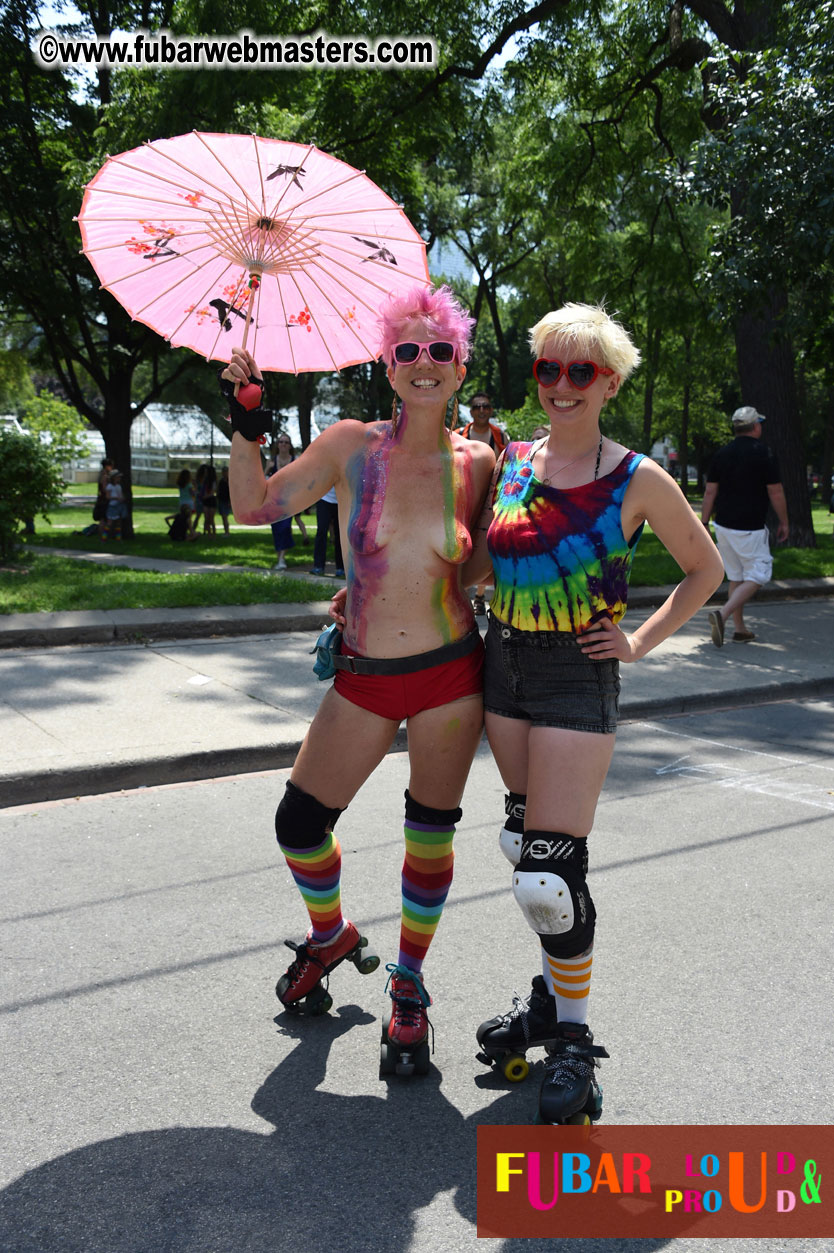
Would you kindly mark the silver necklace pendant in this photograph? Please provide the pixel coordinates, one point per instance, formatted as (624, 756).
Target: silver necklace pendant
(548, 478)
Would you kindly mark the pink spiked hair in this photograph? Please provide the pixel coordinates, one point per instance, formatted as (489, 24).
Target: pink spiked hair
(442, 312)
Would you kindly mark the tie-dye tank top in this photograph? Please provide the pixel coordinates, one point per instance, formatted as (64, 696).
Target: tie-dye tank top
(560, 558)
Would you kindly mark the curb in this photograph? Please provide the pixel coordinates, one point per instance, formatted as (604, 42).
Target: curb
(33, 788)
(707, 702)
(132, 626)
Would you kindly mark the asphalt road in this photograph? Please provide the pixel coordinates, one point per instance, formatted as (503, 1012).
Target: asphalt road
(151, 1102)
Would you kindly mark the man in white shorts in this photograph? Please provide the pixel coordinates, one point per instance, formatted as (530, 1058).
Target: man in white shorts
(742, 480)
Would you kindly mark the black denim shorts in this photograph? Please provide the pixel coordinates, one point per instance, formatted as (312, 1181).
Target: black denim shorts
(544, 677)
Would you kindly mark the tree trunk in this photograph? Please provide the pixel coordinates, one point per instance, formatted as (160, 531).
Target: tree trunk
(305, 390)
(766, 372)
(115, 428)
(827, 467)
(652, 360)
(501, 343)
(683, 444)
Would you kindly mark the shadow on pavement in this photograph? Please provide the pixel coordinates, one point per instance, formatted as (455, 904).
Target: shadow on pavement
(336, 1173)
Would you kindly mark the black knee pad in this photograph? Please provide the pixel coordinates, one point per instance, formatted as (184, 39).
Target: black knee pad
(415, 812)
(301, 821)
(550, 887)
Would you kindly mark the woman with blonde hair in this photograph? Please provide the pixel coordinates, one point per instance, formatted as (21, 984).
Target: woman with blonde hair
(561, 527)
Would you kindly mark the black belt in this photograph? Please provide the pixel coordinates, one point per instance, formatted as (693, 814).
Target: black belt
(410, 665)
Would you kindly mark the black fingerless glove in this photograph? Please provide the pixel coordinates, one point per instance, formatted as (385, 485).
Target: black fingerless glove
(246, 412)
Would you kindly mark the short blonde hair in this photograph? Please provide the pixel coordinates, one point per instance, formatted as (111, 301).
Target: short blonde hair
(595, 333)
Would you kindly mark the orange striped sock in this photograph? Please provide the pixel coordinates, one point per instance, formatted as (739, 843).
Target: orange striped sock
(569, 979)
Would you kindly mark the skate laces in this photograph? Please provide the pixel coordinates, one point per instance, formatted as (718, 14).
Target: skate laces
(408, 1010)
(303, 959)
(395, 971)
(520, 1010)
(570, 1064)
(573, 1060)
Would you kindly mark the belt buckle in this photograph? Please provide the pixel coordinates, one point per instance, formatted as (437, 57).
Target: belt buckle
(351, 661)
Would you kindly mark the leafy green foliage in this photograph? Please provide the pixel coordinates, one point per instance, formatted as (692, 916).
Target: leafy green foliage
(773, 148)
(58, 425)
(672, 160)
(30, 484)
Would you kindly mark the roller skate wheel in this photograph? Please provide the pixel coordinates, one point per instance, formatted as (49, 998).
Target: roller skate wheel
(515, 1068)
(366, 962)
(405, 1064)
(387, 1059)
(317, 1002)
(363, 957)
(578, 1120)
(422, 1059)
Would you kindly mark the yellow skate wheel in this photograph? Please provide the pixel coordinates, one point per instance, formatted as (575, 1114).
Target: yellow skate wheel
(515, 1068)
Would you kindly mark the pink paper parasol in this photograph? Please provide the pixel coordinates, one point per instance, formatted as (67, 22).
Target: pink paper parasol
(218, 240)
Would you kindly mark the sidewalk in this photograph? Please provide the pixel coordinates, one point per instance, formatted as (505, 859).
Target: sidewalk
(182, 700)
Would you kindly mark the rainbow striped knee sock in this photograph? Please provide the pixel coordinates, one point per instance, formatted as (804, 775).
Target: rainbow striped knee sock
(426, 877)
(318, 871)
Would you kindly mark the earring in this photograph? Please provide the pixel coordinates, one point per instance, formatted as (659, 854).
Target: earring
(454, 423)
(395, 416)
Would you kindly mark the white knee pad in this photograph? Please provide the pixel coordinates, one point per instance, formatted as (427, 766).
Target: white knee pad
(510, 844)
(512, 833)
(550, 887)
(545, 900)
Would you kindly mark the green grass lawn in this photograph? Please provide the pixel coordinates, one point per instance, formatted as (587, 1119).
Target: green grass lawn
(653, 566)
(244, 546)
(52, 583)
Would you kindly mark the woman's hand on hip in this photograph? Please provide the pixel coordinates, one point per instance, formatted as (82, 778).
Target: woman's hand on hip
(604, 640)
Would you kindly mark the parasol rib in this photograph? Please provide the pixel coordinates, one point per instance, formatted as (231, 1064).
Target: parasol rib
(287, 326)
(349, 325)
(159, 295)
(304, 200)
(325, 344)
(224, 167)
(301, 168)
(222, 197)
(223, 192)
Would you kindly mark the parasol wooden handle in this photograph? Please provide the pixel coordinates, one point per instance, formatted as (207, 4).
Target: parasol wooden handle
(254, 284)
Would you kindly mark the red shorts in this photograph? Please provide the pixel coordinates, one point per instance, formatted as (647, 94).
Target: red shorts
(398, 696)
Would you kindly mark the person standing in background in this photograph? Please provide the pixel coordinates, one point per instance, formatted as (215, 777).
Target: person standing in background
(742, 481)
(327, 515)
(488, 432)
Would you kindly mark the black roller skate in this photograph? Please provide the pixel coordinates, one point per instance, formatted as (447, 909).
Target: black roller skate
(505, 1040)
(405, 1045)
(301, 990)
(570, 1093)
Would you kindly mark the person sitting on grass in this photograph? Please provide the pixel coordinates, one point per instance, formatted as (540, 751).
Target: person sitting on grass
(178, 525)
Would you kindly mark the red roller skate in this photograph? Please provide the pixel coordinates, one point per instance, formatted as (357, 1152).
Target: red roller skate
(300, 990)
(405, 1046)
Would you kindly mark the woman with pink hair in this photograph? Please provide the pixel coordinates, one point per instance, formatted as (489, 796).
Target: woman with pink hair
(408, 493)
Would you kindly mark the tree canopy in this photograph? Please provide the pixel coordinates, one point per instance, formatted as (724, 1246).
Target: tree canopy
(673, 160)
